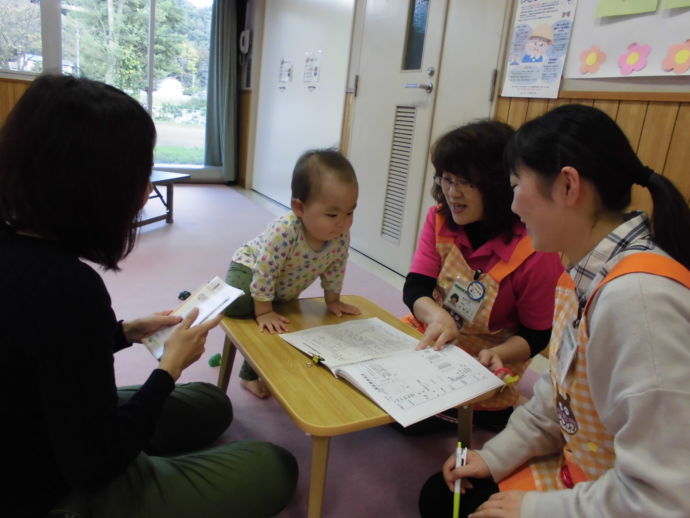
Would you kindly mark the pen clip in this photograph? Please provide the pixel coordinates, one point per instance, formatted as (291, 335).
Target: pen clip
(315, 359)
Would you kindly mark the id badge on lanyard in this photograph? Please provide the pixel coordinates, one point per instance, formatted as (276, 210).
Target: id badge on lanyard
(466, 300)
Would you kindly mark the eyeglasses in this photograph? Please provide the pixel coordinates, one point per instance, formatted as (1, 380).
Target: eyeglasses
(446, 182)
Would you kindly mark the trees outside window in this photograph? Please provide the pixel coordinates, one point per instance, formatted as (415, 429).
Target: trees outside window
(20, 36)
(108, 40)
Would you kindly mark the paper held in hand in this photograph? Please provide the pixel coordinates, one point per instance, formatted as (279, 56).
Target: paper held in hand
(211, 299)
(381, 361)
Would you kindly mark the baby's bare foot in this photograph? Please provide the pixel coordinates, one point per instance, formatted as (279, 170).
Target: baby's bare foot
(256, 387)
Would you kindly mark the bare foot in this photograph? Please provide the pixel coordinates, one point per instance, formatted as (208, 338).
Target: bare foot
(256, 387)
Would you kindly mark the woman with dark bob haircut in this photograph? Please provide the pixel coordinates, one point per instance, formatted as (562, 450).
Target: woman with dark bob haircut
(75, 160)
(606, 433)
(475, 280)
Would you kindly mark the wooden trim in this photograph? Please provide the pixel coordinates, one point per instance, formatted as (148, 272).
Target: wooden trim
(618, 96)
(347, 123)
(15, 80)
(244, 105)
(627, 96)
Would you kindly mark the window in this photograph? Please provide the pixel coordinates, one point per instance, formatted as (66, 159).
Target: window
(20, 36)
(416, 31)
(155, 50)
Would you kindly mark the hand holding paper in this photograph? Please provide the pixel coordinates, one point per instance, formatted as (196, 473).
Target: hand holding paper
(136, 330)
(186, 344)
(210, 299)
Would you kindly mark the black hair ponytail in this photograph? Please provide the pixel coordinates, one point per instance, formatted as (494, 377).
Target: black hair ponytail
(587, 139)
(670, 218)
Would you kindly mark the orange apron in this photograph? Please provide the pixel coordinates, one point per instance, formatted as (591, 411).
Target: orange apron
(476, 335)
(588, 452)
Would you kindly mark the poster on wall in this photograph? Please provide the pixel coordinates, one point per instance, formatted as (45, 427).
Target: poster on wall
(285, 71)
(312, 66)
(653, 43)
(538, 48)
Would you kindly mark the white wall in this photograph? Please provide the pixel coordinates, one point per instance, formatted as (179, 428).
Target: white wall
(294, 119)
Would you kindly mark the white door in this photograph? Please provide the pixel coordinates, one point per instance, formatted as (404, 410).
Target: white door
(398, 102)
(391, 124)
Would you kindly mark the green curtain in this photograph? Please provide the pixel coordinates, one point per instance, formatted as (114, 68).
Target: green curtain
(221, 116)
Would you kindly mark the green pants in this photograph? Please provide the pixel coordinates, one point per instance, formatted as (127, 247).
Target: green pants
(246, 478)
(240, 276)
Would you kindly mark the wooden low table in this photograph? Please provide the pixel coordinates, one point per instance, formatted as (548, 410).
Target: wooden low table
(320, 404)
(160, 178)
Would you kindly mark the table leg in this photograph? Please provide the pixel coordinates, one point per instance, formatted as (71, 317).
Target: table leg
(317, 478)
(169, 203)
(465, 425)
(226, 362)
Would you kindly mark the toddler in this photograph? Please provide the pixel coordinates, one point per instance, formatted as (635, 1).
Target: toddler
(310, 241)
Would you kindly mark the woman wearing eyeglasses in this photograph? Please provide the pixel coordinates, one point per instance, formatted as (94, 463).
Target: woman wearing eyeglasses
(475, 280)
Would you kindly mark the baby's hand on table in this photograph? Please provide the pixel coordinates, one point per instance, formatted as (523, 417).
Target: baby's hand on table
(272, 322)
(339, 308)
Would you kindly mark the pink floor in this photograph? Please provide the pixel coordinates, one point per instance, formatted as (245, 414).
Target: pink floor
(372, 473)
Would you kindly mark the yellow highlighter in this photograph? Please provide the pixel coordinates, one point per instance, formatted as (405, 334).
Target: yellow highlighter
(460, 460)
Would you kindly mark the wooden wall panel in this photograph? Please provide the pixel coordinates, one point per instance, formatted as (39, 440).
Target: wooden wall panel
(631, 120)
(657, 125)
(655, 138)
(536, 108)
(10, 92)
(657, 131)
(677, 168)
(517, 112)
(608, 106)
(501, 112)
(555, 103)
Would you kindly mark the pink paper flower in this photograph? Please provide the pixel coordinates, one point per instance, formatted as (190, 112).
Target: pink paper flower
(678, 58)
(591, 59)
(634, 59)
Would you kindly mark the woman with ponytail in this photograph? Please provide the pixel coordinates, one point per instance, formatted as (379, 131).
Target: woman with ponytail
(606, 431)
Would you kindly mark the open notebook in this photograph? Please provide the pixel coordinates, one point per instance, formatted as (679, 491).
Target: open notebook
(381, 361)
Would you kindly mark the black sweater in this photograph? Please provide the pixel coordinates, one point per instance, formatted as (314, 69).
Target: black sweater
(58, 334)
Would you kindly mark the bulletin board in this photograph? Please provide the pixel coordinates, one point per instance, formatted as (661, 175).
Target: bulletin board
(648, 44)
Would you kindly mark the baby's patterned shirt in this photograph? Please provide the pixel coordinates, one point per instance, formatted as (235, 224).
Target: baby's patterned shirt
(284, 265)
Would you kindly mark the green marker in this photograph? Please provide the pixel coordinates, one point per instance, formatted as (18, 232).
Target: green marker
(460, 459)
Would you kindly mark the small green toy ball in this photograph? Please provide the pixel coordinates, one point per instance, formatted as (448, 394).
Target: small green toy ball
(214, 361)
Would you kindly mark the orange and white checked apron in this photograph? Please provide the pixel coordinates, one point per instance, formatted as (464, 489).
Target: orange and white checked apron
(476, 335)
(588, 452)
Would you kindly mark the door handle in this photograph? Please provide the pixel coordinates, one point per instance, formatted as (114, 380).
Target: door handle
(429, 87)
